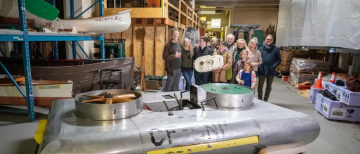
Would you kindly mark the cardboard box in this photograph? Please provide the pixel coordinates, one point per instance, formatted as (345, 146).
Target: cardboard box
(332, 88)
(313, 93)
(344, 95)
(335, 110)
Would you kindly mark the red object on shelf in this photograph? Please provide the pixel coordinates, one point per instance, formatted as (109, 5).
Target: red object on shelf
(285, 78)
(304, 87)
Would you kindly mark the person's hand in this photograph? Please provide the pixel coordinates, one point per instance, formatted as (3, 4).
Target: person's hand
(252, 88)
(220, 68)
(195, 45)
(178, 55)
(254, 64)
(242, 82)
(213, 69)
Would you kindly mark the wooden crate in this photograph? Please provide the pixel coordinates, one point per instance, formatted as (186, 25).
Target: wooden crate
(152, 85)
(145, 40)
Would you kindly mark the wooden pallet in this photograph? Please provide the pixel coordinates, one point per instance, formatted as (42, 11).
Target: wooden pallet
(293, 84)
(304, 93)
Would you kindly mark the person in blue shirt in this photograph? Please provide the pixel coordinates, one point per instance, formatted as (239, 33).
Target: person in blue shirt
(270, 55)
(247, 76)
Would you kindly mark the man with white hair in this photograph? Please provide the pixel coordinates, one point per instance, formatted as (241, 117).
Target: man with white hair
(230, 43)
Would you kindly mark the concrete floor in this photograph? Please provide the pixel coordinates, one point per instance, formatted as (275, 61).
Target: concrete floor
(16, 134)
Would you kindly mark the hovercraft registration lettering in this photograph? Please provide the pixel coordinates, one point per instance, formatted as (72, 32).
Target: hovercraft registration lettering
(109, 18)
(49, 87)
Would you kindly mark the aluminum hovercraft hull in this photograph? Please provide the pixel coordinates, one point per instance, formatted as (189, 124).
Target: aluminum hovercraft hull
(83, 73)
(150, 130)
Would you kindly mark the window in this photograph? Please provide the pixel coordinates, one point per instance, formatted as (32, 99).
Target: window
(215, 23)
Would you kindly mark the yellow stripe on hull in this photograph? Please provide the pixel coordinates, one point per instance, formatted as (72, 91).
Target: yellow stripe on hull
(208, 146)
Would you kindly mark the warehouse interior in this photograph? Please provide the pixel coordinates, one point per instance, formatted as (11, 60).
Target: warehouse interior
(91, 76)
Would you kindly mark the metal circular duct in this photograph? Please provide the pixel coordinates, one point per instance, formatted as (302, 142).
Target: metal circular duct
(229, 95)
(108, 111)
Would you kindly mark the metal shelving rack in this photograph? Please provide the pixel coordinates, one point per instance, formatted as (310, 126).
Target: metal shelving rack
(24, 36)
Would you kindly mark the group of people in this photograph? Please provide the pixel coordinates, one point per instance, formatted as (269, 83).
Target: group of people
(242, 63)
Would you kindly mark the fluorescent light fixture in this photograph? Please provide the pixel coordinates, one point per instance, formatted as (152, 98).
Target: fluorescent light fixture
(207, 12)
(202, 18)
(205, 7)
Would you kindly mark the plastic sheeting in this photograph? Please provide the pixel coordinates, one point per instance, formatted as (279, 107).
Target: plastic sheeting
(320, 23)
(310, 65)
(192, 34)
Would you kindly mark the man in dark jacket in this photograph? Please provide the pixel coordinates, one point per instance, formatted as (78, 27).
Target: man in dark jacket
(172, 57)
(270, 55)
(202, 50)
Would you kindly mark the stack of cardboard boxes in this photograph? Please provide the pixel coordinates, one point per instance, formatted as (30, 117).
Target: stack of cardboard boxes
(345, 107)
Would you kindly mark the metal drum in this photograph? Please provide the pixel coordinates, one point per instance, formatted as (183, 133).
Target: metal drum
(229, 95)
(108, 111)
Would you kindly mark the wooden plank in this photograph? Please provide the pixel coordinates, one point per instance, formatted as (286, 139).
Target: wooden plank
(171, 22)
(128, 42)
(179, 15)
(159, 47)
(108, 35)
(172, 6)
(181, 32)
(149, 46)
(304, 93)
(154, 52)
(182, 26)
(183, 13)
(116, 36)
(166, 33)
(137, 12)
(188, 17)
(138, 37)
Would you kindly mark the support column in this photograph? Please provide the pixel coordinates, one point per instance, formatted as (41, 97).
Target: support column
(72, 16)
(26, 60)
(102, 43)
(55, 44)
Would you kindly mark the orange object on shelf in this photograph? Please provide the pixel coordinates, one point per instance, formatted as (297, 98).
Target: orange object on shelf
(318, 84)
(285, 78)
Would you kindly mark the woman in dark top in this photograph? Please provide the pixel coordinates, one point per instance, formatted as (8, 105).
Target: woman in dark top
(187, 54)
